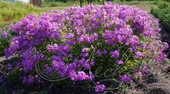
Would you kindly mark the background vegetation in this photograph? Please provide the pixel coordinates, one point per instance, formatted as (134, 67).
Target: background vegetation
(14, 11)
(163, 13)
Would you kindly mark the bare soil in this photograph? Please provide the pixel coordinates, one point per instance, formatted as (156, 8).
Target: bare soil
(157, 82)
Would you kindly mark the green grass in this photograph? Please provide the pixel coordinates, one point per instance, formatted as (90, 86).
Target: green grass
(60, 4)
(10, 12)
(15, 11)
(68, 3)
(146, 5)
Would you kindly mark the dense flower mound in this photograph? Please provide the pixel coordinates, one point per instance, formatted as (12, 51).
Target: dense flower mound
(77, 41)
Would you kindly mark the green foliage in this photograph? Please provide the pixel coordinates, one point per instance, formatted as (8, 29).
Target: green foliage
(167, 0)
(68, 3)
(3, 45)
(162, 5)
(163, 13)
(16, 11)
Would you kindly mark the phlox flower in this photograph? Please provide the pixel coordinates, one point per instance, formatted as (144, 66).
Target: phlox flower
(114, 54)
(125, 79)
(4, 34)
(100, 88)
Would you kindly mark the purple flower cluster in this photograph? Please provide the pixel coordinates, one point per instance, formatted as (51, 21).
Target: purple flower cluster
(29, 79)
(4, 34)
(100, 53)
(125, 79)
(114, 54)
(138, 54)
(119, 62)
(99, 88)
(74, 40)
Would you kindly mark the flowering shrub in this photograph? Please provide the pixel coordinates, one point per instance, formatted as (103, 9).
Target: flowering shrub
(81, 42)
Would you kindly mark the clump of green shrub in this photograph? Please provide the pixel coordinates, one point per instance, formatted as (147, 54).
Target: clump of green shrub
(167, 0)
(163, 5)
(163, 13)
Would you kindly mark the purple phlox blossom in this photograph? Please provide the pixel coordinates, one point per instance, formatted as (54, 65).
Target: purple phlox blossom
(99, 53)
(29, 79)
(138, 54)
(100, 88)
(119, 62)
(145, 70)
(114, 54)
(125, 79)
(160, 57)
(52, 48)
(4, 34)
(138, 74)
